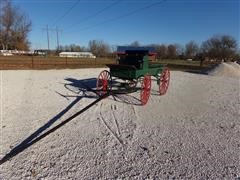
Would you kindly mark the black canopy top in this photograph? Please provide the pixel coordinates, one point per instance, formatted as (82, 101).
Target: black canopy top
(124, 49)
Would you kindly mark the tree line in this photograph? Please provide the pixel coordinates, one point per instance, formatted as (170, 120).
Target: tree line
(221, 47)
(217, 47)
(97, 47)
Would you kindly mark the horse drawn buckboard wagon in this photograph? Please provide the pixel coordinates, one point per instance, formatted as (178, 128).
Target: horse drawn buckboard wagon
(136, 71)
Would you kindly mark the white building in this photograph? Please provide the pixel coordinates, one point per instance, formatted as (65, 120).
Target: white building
(77, 54)
(15, 52)
(5, 53)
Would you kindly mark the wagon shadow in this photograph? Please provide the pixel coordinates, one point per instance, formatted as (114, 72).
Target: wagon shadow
(32, 139)
(202, 72)
(82, 89)
(88, 85)
(82, 84)
(127, 99)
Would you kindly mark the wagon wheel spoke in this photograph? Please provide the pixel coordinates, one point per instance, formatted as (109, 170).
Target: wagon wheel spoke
(145, 89)
(104, 83)
(164, 81)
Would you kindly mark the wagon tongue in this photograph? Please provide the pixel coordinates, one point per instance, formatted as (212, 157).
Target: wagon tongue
(29, 141)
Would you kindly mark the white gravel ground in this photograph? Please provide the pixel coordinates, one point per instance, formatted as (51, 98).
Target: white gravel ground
(193, 132)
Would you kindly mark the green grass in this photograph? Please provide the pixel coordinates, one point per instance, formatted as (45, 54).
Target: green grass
(183, 65)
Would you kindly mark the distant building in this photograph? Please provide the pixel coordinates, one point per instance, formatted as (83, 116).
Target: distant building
(40, 52)
(77, 55)
(15, 52)
(5, 53)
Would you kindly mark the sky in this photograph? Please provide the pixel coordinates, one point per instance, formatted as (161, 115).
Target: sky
(121, 22)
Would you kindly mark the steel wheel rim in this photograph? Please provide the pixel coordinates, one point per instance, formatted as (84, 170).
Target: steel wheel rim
(164, 81)
(104, 82)
(145, 89)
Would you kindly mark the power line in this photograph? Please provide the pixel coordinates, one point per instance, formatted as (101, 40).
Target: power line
(67, 12)
(88, 17)
(47, 30)
(97, 13)
(123, 16)
(57, 32)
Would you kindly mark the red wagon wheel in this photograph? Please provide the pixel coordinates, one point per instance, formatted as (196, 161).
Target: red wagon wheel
(104, 82)
(164, 81)
(145, 89)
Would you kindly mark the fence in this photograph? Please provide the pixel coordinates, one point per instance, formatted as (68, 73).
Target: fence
(50, 62)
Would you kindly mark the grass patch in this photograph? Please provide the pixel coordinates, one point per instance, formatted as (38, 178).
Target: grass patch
(178, 62)
(183, 65)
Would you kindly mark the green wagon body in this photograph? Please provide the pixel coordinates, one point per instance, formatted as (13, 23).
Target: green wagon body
(135, 68)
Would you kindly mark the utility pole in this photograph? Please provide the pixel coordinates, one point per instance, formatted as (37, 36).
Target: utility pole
(57, 39)
(57, 31)
(48, 38)
(47, 30)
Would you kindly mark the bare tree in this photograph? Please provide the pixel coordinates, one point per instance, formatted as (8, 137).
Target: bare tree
(75, 48)
(179, 49)
(72, 48)
(161, 50)
(135, 44)
(171, 51)
(191, 49)
(113, 48)
(99, 48)
(14, 27)
(220, 47)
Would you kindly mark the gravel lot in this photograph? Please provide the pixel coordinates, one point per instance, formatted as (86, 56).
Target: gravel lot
(193, 132)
